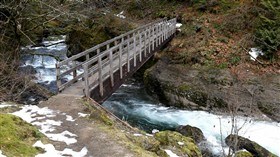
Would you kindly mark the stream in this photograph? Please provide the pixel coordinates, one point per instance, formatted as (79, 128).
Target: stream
(132, 104)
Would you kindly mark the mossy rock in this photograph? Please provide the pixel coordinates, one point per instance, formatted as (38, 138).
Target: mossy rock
(270, 110)
(190, 131)
(243, 154)
(18, 136)
(173, 139)
(236, 143)
(145, 142)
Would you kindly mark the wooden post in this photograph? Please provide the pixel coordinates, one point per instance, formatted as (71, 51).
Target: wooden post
(111, 68)
(149, 40)
(87, 57)
(86, 88)
(128, 57)
(145, 43)
(153, 38)
(162, 32)
(98, 51)
(75, 70)
(140, 46)
(58, 80)
(134, 49)
(100, 77)
(120, 57)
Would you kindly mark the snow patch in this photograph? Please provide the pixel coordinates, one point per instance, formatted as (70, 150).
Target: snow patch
(254, 53)
(178, 25)
(150, 135)
(69, 118)
(82, 114)
(120, 15)
(29, 112)
(1, 155)
(35, 115)
(51, 151)
(137, 135)
(181, 143)
(63, 137)
(6, 104)
(170, 153)
(155, 131)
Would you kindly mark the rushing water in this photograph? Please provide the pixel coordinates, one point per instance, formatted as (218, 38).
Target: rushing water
(131, 103)
(44, 62)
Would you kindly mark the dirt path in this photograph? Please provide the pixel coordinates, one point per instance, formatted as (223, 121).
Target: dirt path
(90, 134)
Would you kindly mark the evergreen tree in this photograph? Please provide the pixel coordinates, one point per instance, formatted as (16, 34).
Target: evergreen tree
(268, 32)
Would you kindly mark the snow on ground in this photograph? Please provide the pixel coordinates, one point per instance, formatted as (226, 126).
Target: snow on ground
(40, 117)
(170, 153)
(178, 25)
(254, 53)
(6, 104)
(120, 15)
(82, 114)
(69, 118)
(1, 155)
(51, 151)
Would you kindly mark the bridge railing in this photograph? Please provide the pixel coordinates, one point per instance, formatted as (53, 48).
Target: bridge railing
(150, 35)
(130, 48)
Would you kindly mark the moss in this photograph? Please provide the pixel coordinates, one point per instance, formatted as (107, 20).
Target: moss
(243, 154)
(171, 138)
(184, 87)
(147, 143)
(17, 136)
(101, 116)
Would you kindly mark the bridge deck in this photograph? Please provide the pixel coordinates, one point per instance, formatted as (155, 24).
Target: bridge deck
(114, 61)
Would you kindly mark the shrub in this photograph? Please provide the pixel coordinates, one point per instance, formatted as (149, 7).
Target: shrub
(268, 31)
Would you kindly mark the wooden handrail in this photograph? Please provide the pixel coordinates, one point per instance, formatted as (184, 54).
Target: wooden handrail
(126, 50)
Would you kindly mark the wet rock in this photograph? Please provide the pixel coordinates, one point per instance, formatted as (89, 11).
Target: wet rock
(213, 89)
(27, 70)
(177, 143)
(187, 88)
(192, 132)
(236, 143)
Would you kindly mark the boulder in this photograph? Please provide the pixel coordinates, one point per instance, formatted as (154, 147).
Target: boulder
(243, 154)
(145, 142)
(236, 143)
(177, 143)
(192, 132)
(214, 89)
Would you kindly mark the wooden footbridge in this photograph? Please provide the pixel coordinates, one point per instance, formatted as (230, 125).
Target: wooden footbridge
(108, 64)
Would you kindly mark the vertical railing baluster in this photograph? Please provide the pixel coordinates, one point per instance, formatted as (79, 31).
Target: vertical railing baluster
(75, 70)
(86, 88)
(134, 49)
(100, 76)
(58, 79)
(111, 68)
(145, 43)
(140, 46)
(120, 57)
(128, 57)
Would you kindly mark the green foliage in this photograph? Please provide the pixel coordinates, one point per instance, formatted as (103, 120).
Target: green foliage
(213, 6)
(268, 31)
(17, 136)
